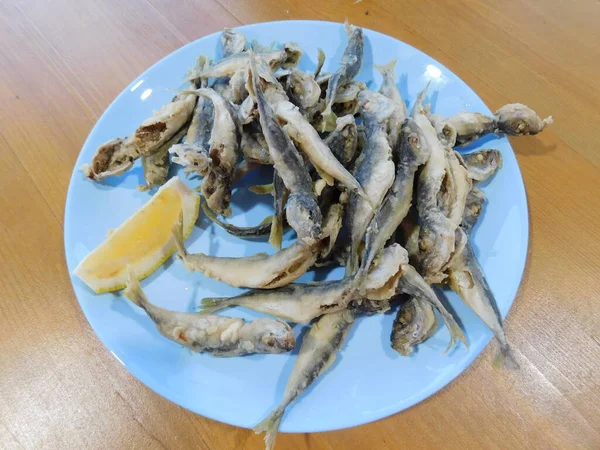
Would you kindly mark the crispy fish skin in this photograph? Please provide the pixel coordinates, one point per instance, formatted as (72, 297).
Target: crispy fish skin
(415, 322)
(473, 209)
(317, 354)
(411, 154)
(220, 336)
(232, 42)
(467, 280)
(437, 234)
(374, 170)
(302, 132)
(455, 188)
(254, 146)
(343, 141)
(390, 90)
(262, 229)
(117, 156)
(223, 153)
(482, 164)
(168, 120)
(349, 68)
(193, 153)
(302, 89)
(302, 212)
(288, 56)
(280, 197)
(413, 284)
(112, 158)
(156, 166)
(260, 270)
(514, 119)
(301, 303)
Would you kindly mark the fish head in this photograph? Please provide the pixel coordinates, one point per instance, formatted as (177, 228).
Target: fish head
(304, 216)
(517, 120)
(413, 140)
(293, 53)
(277, 336)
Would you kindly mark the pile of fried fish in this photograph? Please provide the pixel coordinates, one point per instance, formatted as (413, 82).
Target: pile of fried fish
(363, 182)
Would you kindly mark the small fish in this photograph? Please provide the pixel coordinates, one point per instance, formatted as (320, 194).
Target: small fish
(302, 212)
(328, 166)
(482, 164)
(301, 303)
(436, 240)
(247, 111)
(112, 158)
(415, 322)
(257, 271)
(413, 284)
(317, 354)
(220, 336)
(411, 154)
(223, 153)
(320, 62)
(349, 68)
(517, 119)
(391, 91)
(467, 280)
(286, 57)
(302, 89)
(232, 42)
(156, 166)
(514, 119)
(262, 229)
(374, 170)
(192, 154)
(164, 123)
(343, 141)
(117, 156)
(456, 185)
(473, 209)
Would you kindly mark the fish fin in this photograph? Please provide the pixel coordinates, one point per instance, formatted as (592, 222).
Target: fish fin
(418, 106)
(455, 331)
(276, 235)
(328, 120)
(133, 291)
(548, 121)
(177, 231)
(262, 189)
(213, 304)
(390, 67)
(324, 175)
(270, 426)
(268, 219)
(505, 358)
(320, 61)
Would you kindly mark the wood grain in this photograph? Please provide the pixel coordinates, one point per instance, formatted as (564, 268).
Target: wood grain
(61, 64)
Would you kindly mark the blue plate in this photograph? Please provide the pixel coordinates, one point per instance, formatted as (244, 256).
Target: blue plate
(369, 380)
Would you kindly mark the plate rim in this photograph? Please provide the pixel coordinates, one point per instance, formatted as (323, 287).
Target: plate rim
(215, 415)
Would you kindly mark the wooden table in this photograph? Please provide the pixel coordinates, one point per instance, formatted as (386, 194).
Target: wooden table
(62, 63)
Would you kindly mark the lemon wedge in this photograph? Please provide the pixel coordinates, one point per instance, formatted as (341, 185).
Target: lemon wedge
(144, 241)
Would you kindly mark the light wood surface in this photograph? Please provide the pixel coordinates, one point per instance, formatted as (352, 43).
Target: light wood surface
(63, 62)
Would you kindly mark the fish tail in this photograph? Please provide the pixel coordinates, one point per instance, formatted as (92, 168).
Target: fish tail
(276, 235)
(390, 67)
(177, 231)
(262, 189)
(418, 106)
(270, 426)
(133, 291)
(456, 334)
(548, 121)
(214, 304)
(505, 358)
